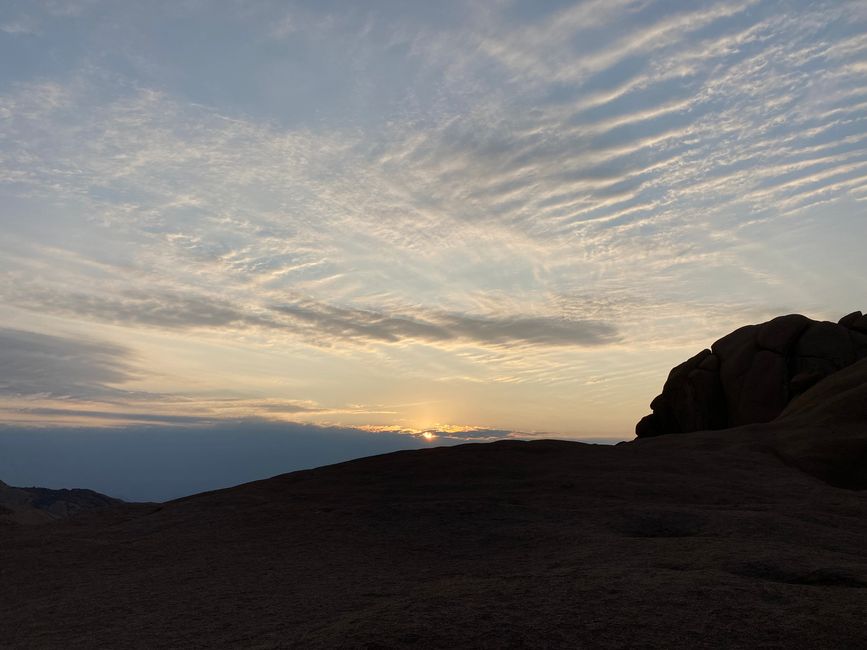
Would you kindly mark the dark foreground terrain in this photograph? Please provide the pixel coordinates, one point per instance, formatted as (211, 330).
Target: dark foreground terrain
(750, 537)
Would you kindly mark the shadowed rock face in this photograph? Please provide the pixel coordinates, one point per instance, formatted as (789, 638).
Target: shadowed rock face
(751, 375)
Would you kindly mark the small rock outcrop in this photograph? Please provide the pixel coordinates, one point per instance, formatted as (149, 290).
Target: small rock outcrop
(751, 374)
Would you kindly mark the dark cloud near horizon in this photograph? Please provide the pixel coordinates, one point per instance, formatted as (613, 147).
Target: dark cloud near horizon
(474, 435)
(116, 415)
(492, 435)
(283, 407)
(159, 418)
(60, 367)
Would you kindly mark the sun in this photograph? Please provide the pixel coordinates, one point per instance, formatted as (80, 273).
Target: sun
(427, 435)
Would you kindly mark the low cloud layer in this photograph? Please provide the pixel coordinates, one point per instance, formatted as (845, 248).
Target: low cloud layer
(33, 364)
(115, 416)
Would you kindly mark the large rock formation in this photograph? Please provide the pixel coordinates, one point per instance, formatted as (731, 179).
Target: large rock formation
(751, 375)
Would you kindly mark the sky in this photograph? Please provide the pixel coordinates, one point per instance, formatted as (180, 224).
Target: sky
(410, 222)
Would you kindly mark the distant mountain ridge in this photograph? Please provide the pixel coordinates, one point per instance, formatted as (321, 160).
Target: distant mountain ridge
(32, 505)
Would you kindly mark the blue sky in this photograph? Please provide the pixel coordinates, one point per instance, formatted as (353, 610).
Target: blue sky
(447, 217)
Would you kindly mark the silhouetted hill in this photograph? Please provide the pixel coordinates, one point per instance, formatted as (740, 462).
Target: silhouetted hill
(735, 538)
(38, 505)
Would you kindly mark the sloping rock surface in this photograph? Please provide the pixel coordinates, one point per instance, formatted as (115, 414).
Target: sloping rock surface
(752, 374)
(743, 538)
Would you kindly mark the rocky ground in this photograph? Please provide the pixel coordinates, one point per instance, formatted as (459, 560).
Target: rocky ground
(749, 537)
